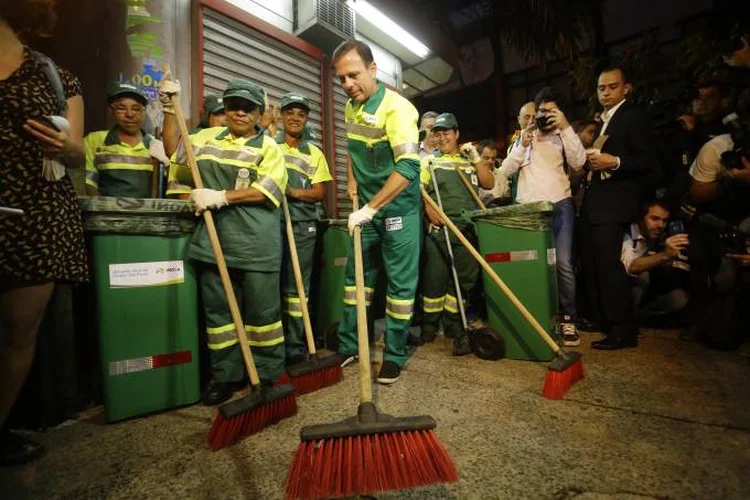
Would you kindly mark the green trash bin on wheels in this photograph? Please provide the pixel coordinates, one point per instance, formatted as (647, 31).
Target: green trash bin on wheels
(146, 302)
(517, 242)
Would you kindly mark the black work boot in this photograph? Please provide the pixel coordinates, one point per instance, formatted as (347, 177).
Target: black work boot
(461, 345)
(218, 392)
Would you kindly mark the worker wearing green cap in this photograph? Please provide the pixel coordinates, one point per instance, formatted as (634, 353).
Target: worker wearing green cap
(244, 176)
(308, 174)
(439, 300)
(213, 113)
(120, 161)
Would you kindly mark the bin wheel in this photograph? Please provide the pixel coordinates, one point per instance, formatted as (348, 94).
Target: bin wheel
(331, 337)
(487, 343)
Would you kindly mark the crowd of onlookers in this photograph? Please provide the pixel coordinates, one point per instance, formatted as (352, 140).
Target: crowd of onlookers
(652, 219)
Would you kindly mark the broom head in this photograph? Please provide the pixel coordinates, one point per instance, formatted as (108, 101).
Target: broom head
(369, 453)
(315, 374)
(564, 371)
(263, 406)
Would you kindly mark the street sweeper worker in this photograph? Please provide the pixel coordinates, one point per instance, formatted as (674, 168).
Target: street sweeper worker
(308, 174)
(382, 135)
(120, 161)
(244, 176)
(214, 114)
(439, 300)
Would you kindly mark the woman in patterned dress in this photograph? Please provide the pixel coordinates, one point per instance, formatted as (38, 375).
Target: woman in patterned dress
(45, 244)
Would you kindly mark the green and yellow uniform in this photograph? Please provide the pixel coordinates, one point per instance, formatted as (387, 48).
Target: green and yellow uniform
(305, 167)
(116, 168)
(438, 289)
(382, 137)
(251, 242)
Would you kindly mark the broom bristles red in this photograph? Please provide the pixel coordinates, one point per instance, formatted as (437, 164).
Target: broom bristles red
(558, 383)
(227, 431)
(367, 464)
(318, 379)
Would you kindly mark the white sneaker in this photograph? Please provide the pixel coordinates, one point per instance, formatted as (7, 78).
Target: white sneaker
(569, 333)
(348, 360)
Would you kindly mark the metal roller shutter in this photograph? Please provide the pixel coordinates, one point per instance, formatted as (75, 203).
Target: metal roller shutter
(339, 104)
(233, 50)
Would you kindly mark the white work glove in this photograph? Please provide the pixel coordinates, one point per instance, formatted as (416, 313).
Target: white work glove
(156, 151)
(167, 89)
(361, 216)
(469, 151)
(206, 199)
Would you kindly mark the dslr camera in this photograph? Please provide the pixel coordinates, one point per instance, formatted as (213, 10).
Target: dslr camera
(740, 132)
(543, 122)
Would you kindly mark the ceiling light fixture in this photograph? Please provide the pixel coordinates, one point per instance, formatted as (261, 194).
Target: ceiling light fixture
(389, 27)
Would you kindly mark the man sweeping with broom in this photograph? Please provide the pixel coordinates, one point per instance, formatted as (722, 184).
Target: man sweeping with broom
(372, 451)
(382, 135)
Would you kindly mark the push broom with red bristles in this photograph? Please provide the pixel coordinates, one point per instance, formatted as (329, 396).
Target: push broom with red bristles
(317, 372)
(263, 405)
(370, 452)
(567, 368)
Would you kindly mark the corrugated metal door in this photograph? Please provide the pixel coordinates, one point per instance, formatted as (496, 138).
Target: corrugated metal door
(339, 104)
(233, 50)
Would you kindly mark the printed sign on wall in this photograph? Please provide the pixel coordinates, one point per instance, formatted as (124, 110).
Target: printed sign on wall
(143, 274)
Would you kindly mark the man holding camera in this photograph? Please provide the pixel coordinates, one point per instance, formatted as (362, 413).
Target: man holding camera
(547, 149)
(652, 263)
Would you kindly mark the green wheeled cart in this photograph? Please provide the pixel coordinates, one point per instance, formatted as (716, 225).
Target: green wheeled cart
(146, 303)
(517, 242)
(329, 289)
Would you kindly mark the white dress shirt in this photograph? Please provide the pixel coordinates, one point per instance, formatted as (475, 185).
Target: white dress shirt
(634, 246)
(542, 174)
(607, 116)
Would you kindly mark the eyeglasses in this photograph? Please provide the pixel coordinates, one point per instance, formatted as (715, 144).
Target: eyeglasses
(124, 110)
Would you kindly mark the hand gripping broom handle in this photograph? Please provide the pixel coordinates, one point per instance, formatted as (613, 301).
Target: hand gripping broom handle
(491, 272)
(471, 190)
(363, 340)
(449, 247)
(298, 277)
(239, 325)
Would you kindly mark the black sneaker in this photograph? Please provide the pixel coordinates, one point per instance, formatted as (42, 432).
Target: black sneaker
(461, 345)
(389, 373)
(347, 359)
(569, 332)
(218, 392)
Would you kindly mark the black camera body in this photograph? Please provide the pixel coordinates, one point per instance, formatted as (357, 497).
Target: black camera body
(740, 132)
(543, 122)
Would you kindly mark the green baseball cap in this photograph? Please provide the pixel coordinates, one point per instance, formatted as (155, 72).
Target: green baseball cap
(213, 104)
(246, 90)
(294, 98)
(125, 89)
(445, 121)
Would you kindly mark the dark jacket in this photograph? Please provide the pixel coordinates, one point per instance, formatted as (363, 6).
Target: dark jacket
(630, 137)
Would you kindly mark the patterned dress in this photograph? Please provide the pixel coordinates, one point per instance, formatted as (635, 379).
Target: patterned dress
(47, 242)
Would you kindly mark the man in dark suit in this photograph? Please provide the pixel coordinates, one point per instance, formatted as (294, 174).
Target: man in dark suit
(620, 170)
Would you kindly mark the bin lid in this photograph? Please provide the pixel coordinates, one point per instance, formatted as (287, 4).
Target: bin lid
(530, 216)
(107, 214)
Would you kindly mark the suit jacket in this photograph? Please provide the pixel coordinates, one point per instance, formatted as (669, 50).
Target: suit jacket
(630, 137)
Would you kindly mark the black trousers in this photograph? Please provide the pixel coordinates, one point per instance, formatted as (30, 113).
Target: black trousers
(607, 283)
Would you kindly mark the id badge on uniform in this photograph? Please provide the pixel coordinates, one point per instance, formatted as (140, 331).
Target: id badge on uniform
(474, 179)
(243, 179)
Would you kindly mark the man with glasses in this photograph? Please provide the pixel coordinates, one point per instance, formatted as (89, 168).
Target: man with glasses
(120, 161)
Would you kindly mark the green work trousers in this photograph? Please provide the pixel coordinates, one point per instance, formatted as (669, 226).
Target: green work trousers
(439, 300)
(394, 243)
(261, 311)
(294, 331)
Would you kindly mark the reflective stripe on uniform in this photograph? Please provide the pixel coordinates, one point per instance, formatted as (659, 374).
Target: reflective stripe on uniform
(174, 187)
(451, 304)
(433, 305)
(269, 188)
(293, 306)
(450, 165)
(405, 149)
(242, 155)
(399, 308)
(221, 337)
(265, 335)
(365, 131)
(350, 295)
(301, 163)
(132, 162)
(92, 177)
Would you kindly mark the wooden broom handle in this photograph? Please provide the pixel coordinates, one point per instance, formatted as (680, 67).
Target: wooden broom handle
(471, 190)
(298, 277)
(226, 282)
(491, 272)
(363, 340)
